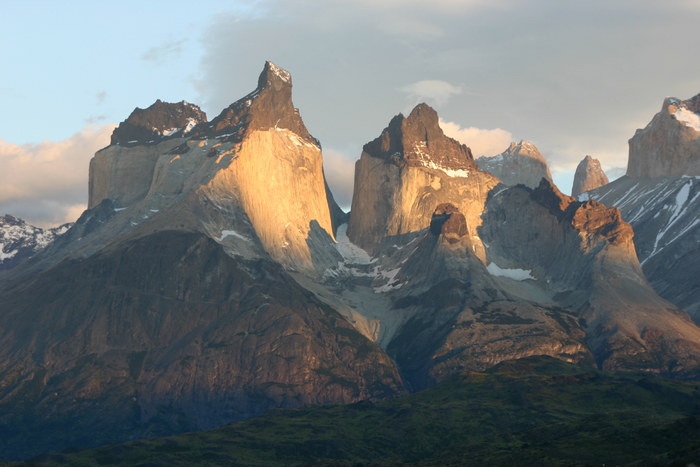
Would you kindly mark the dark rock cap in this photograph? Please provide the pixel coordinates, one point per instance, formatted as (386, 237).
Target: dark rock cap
(268, 106)
(157, 122)
(419, 141)
(590, 217)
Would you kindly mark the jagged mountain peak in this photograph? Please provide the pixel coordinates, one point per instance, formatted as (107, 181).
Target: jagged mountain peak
(521, 163)
(158, 121)
(589, 176)
(588, 217)
(523, 148)
(418, 140)
(548, 195)
(20, 240)
(670, 143)
(268, 106)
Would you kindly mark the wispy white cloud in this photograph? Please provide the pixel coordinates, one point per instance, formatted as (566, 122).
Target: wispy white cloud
(435, 90)
(46, 183)
(158, 54)
(482, 142)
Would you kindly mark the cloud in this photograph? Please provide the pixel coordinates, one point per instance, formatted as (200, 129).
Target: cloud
(340, 175)
(93, 119)
(159, 54)
(46, 183)
(433, 90)
(481, 142)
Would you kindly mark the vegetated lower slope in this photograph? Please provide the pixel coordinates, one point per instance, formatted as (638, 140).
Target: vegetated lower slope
(535, 411)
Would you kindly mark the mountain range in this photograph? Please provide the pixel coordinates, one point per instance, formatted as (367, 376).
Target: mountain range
(19, 240)
(214, 277)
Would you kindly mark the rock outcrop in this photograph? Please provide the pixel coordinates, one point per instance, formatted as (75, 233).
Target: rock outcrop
(159, 121)
(404, 174)
(670, 143)
(582, 253)
(589, 176)
(520, 163)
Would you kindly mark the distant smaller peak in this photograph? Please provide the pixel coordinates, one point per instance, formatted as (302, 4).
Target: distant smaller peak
(523, 148)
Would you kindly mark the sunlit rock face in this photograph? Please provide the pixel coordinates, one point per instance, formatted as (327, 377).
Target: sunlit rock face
(521, 163)
(256, 157)
(404, 174)
(670, 143)
(589, 176)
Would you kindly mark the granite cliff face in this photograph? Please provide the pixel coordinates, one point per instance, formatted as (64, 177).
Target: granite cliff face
(520, 163)
(258, 141)
(404, 174)
(589, 176)
(660, 198)
(670, 143)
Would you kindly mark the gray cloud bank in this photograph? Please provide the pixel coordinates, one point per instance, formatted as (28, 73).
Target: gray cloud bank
(46, 183)
(575, 78)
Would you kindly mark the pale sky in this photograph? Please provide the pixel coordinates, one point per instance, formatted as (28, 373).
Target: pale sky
(573, 77)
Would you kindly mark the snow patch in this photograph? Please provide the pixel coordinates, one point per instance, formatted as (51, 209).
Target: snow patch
(515, 274)
(391, 284)
(169, 131)
(688, 118)
(191, 123)
(427, 162)
(296, 139)
(3, 255)
(231, 233)
(348, 250)
(280, 73)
